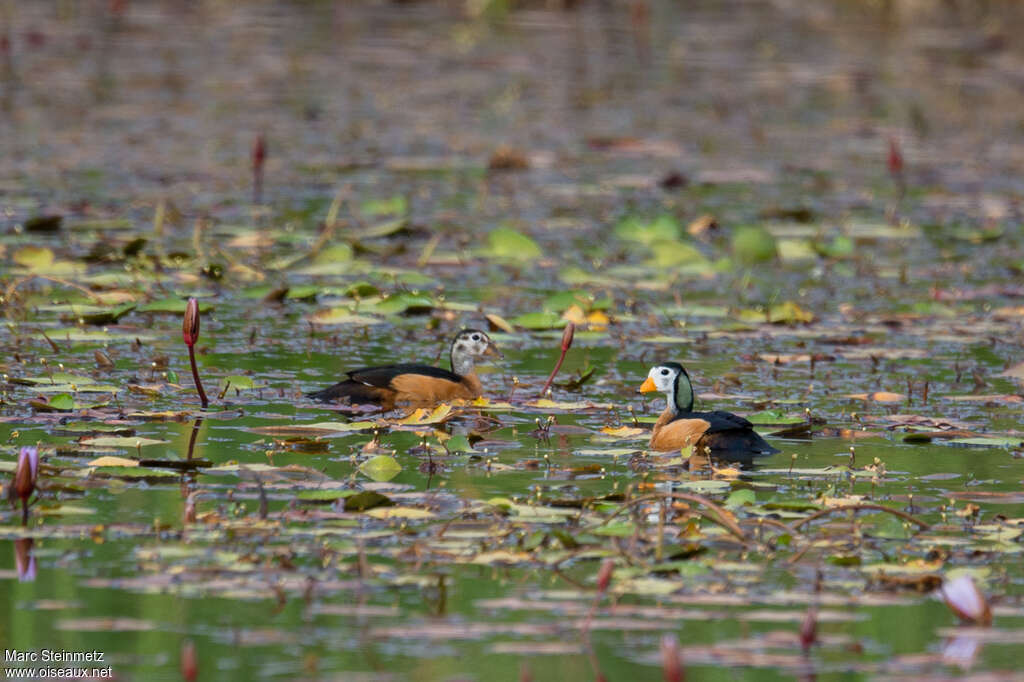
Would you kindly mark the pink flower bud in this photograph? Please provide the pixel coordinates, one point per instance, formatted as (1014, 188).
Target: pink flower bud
(570, 331)
(190, 326)
(26, 472)
(962, 595)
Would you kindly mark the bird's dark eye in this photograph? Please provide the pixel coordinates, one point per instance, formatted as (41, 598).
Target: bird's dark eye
(664, 372)
(476, 337)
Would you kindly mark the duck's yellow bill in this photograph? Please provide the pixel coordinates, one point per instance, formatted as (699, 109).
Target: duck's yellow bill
(648, 386)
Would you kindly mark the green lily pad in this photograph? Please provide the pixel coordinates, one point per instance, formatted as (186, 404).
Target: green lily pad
(367, 499)
(774, 417)
(134, 473)
(664, 228)
(120, 442)
(171, 305)
(539, 320)
(381, 467)
(396, 205)
(508, 244)
(753, 244)
(993, 442)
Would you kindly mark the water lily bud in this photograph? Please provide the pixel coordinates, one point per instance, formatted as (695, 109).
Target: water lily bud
(190, 326)
(962, 595)
(604, 575)
(26, 472)
(24, 482)
(570, 331)
(671, 660)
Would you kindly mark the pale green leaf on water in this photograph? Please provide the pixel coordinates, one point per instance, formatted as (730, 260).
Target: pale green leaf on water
(239, 382)
(337, 253)
(507, 244)
(646, 586)
(395, 205)
(991, 442)
(120, 442)
(339, 426)
(796, 250)
(384, 229)
(171, 305)
(840, 247)
(111, 461)
(868, 231)
(134, 473)
(409, 513)
(775, 417)
(367, 499)
(96, 335)
(57, 378)
(709, 487)
(324, 495)
(752, 244)
(65, 510)
(740, 498)
(787, 312)
(361, 290)
(458, 444)
(664, 228)
(539, 320)
(666, 338)
(400, 303)
(666, 254)
(61, 401)
(35, 257)
(619, 529)
(342, 315)
(381, 467)
(560, 301)
(318, 428)
(75, 388)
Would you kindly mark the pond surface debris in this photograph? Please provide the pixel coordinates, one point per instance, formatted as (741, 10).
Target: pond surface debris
(814, 209)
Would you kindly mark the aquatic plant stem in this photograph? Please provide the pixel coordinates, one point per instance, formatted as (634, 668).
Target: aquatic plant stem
(190, 335)
(570, 330)
(195, 376)
(715, 513)
(863, 505)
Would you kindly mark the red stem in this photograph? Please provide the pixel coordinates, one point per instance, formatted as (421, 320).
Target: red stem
(195, 376)
(558, 366)
(24, 511)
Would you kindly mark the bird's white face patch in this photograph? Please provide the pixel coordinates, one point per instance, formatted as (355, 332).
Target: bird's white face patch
(663, 377)
(473, 343)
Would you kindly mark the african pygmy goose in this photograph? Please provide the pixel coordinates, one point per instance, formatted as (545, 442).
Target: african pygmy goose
(417, 384)
(724, 433)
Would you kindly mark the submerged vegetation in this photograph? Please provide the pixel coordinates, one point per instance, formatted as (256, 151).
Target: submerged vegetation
(788, 203)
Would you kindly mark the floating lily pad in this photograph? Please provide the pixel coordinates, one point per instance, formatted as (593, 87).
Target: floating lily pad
(381, 468)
